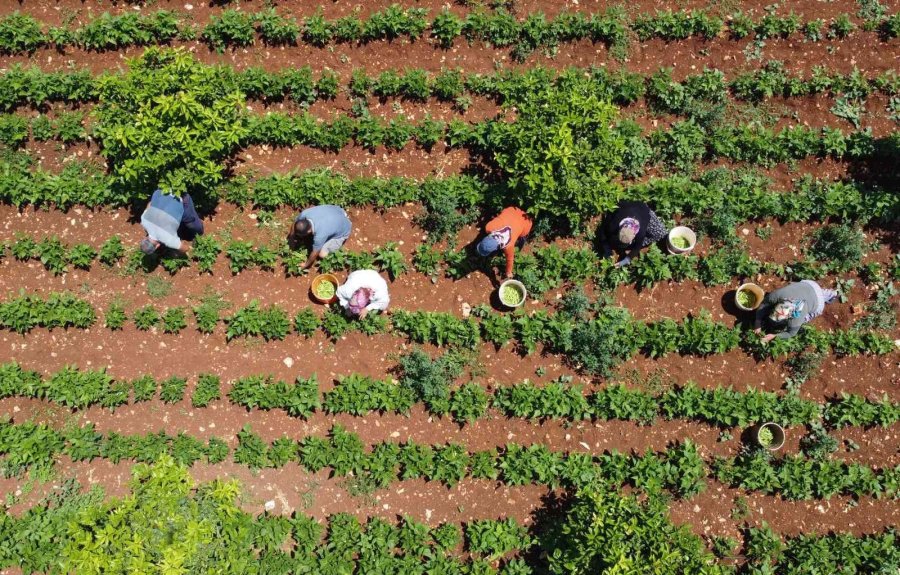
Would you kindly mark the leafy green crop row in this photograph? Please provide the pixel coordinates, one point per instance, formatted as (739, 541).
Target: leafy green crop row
(722, 407)
(67, 127)
(746, 195)
(595, 345)
(798, 477)
(264, 545)
(679, 147)
(26, 312)
(359, 395)
(545, 268)
(75, 532)
(140, 154)
(829, 553)
(56, 256)
(20, 85)
(598, 344)
(679, 469)
(541, 269)
(234, 28)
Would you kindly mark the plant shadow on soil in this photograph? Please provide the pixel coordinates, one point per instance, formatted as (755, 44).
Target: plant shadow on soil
(546, 519)
(747, 437)
(880, 171)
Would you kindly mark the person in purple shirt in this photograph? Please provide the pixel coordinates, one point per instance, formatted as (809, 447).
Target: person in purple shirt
(167, 219)
(328, 226)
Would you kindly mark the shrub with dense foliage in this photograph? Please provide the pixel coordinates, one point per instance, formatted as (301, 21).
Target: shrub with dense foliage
(561, 151)
(168, 123)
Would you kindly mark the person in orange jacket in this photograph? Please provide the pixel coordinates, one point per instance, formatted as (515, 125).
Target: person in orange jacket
(508, 230)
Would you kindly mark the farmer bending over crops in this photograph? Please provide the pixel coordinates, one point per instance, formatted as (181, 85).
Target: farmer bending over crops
(507, 231)
(784, 311)
(329, 227)
(628, 229)
(167, 219)
(364, 290)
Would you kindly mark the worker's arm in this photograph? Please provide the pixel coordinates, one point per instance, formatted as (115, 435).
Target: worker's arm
(380, 299)
(510, 252)
(761, 312)
(792, 329)
(635, 251)
(313, 256)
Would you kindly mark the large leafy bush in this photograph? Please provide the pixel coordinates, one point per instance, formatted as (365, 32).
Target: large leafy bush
(561, 151)
(169, 122)
(607, 532)
(164, 526)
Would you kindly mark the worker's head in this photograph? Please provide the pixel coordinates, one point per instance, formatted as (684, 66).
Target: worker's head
(300, 229)
(488, 245)
(786, 310)
(149, 245)
(359, 300)
(628, 230)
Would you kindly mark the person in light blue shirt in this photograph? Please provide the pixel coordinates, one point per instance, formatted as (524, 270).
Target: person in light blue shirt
(329, 227)
(167, 219)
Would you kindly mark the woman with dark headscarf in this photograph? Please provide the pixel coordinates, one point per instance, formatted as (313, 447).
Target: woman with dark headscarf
(784, 311)
(628, 229)
(364, 291)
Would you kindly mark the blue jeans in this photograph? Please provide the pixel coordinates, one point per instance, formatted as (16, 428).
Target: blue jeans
(191, 224)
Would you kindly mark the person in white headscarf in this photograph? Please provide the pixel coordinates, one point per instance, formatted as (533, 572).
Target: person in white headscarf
(784, 311)
(364, 291)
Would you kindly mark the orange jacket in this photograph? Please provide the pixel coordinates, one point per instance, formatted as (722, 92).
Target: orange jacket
(519, 225)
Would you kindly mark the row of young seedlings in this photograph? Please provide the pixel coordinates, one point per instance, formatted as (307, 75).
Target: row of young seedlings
(360, 395)
(679, 469)
(595, 344)
(32, 86)
(21, 33)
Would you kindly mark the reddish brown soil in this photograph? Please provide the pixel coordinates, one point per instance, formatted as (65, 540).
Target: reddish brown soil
(130, 353)
(100, 286)
(863, 50)
(54, 12)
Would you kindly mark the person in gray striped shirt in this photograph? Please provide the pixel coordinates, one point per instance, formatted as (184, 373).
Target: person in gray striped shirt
(167, 219)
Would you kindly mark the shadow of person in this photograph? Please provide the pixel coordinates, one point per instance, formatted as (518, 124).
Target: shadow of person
(744, 319)
(474, 262)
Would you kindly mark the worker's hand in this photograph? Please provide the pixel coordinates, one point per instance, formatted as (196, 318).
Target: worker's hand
(767, 338)
(623, 262)
(508, 276)
(363, 313)
(757, 330)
